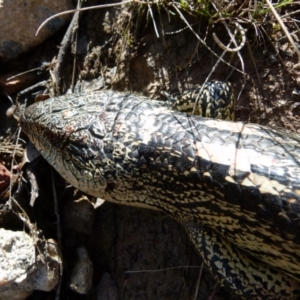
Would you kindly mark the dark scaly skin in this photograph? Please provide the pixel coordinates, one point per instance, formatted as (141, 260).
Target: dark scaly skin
(235, 187)
(214, 99)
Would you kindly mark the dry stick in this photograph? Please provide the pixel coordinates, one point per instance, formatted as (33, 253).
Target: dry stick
(153, 21)
(74, 62)
(28, 71)
(283, 27)
(295, 22)
(240, 46)
(182, 288)
(167, 11)
(75, 39)
(195, 51)
(293, 32)
(84, 9)
(162, 30)
(276, 52)
(31, 88)
(161, 270)
(203, 43)
(254, 9)
(216, 6)
(178, 31)
(22, 215)
(213, 293)
(11, 169)
(9, 147)
(59, 235)
(255, 67)
(198, 282)
(240, 10)
(232, 36)
(291, 13)
(65, 44)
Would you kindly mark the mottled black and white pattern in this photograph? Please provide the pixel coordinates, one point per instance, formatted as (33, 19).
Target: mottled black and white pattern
(234, 186)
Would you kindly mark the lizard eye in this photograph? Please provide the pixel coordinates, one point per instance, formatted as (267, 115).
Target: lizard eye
(52, 137)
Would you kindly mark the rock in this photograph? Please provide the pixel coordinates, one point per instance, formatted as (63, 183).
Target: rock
(107, 288)
(82, 273)
(22, 268)
(79, 214)
(20, 19)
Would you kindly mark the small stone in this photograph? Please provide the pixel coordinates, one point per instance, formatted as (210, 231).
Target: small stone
(22, 269)
(82, 273)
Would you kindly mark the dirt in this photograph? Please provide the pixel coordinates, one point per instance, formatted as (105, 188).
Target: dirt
(136, 253)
